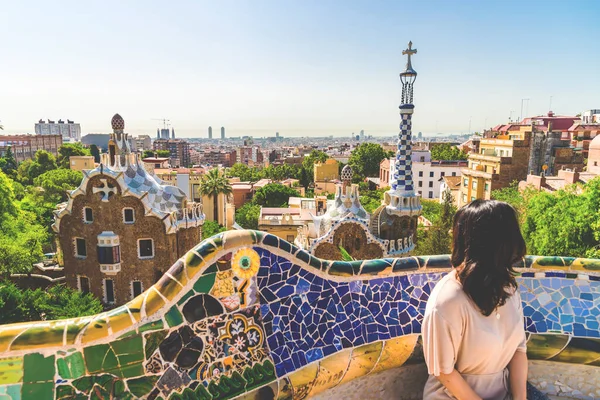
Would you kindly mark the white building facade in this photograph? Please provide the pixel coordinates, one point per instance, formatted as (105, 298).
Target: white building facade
(69, 130)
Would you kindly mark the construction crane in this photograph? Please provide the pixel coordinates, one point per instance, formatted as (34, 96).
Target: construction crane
(166, 122)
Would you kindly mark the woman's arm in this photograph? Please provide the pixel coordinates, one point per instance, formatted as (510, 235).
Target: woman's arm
(458, 387)
(517, 375)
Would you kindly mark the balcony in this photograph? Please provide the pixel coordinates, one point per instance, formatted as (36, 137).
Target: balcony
(110, 269)
(355, 326)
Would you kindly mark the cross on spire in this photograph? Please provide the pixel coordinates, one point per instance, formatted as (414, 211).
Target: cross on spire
(106, 190)
(409, 52)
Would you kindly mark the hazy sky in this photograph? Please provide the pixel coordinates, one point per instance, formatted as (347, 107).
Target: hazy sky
(297, 67)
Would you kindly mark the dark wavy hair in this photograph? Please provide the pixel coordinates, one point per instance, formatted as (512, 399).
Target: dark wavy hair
(487, 242)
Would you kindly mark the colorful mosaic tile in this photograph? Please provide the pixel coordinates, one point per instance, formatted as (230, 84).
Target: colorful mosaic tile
(253, 316)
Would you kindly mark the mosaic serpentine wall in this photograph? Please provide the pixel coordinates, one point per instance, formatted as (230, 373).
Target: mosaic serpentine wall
(247, 314)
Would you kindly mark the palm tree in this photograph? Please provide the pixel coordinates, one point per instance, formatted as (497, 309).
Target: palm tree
(213, 184)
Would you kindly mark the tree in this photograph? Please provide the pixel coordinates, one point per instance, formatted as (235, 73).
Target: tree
(244, 172)
(70, 149)
(211, 228)
(58, 302)
(274, 195)
(8, 205)
(437, 239)
(157, 153)
(247, 216)
(371, 199)
(365, 160)
(21, 242)
(57, 182)
(95, 151)
(213, 184)
(447, 152)
(9, 165)
(30, 169)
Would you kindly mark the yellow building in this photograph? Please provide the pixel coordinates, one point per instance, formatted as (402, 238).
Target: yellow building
(283, 222)
(327, 171)
(79, 163)
(499, 162)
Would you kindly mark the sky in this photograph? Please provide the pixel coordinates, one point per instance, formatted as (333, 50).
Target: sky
(301, 68)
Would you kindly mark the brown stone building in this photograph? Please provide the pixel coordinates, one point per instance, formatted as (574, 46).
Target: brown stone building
(179, 149)
(24, 147)
(123, 227)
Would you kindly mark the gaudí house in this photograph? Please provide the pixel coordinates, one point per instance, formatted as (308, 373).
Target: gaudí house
(247, 315)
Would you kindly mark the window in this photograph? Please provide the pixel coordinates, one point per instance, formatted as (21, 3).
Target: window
(465, 182)
(431, 174)
(595, 163)
(464, 198)
(145, 248)
(420, 183)
(442, 174)
(80, 248)
(84, 284)
(88, 215)
(109, 291)
(420, 174)
(128, 216)
(430, 184)
(290, 238)
(136, 289)
(474, 185)
(472, 198)
(109, 255)
(454, 174)
(487, 187)
(422, 158)
(431, 195)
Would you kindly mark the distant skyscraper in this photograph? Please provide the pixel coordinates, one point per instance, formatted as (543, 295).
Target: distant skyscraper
(276, 134)
(164, 133)
(158, 133)
(222, 132)
(362, 135)
(210, 132)
(68, 130)
(172, 133)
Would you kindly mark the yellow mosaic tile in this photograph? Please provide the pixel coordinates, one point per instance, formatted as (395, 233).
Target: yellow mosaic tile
(168, 287)
(285, 390)
(74, 327)
(223, 286)
(362, 361)
(97, 329)
(119, 319)
(8, 334)
(395, 352)
(235, 239)
(543, 347)
(579, 351)
(331, 371)
(303, 379)
(11, 370)
(153, 302)
(135, 307)
(38, 336)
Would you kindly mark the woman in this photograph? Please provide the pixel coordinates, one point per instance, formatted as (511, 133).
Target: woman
(473, 334)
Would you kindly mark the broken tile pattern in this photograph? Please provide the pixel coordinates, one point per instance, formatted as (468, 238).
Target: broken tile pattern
(292, 327)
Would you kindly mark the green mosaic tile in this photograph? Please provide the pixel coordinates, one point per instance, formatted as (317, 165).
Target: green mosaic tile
(38, 368)
(14, 391)
(38, 335)
(174, 317)
(152, 326)
(71, 367)
(142, 386)
(212, 268)
(127, 334)
(99, 393)
(63, 391)
(11, 370)
(205, 283)
(84, 384)
(38, 391)
(132, 371)
(128, 346)
(99, 358)
(185, 297)
(153, 340)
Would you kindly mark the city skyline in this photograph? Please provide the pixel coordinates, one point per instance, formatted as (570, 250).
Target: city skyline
(301, 70)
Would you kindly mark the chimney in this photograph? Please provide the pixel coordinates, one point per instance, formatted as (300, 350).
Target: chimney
(537, 181)
(568, 175)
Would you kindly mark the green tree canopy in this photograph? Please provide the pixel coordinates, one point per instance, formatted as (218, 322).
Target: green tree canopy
(8, 205)
(371, 199)
(211, 228)
(247, 216)
(436, 239)
(365, 160)
(57, 182)
(58, 302)
(158, 153)
(274, 195)
(8, 163)
(244, 172)
(447, 152)
(213, 184)
(30, 169)
(70, 149)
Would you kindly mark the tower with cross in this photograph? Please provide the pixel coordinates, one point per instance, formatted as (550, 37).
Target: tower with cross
(401, 198)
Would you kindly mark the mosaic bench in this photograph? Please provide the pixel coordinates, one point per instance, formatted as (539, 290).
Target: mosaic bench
(246, 314)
